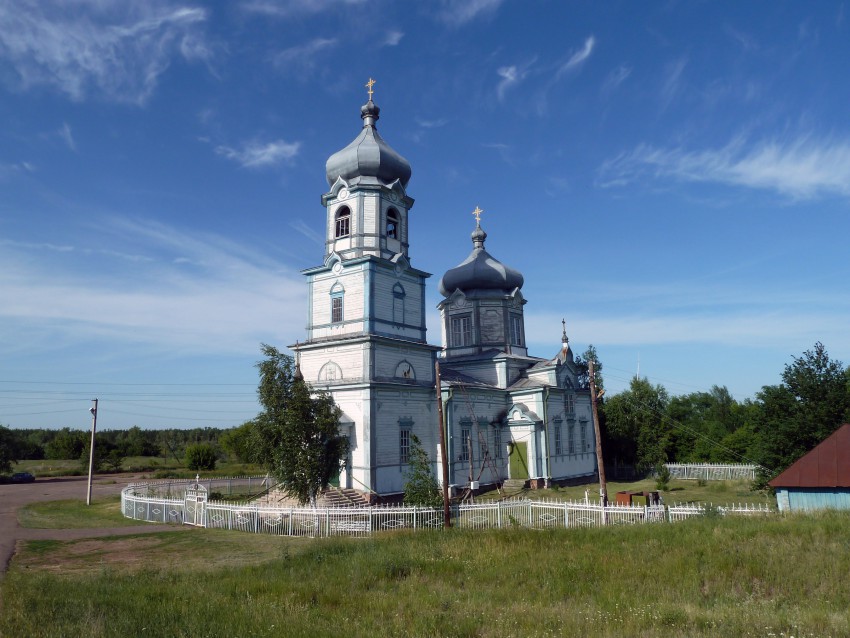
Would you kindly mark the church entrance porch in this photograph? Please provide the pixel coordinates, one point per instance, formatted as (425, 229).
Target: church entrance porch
(518, 461)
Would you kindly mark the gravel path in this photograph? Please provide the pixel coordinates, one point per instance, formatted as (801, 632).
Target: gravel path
(15, 496)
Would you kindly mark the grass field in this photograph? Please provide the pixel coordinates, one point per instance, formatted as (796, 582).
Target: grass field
(150, 465)
(75, 514)
(782, 576)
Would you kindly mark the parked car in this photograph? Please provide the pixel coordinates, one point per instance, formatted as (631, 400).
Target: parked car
(22, 477)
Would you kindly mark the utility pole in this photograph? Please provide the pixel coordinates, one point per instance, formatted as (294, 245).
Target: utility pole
(600, 464)
(93, 411)
(444, 457)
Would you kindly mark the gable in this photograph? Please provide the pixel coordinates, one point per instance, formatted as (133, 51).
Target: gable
(827, 465)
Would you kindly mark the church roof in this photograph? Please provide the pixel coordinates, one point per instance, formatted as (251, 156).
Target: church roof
(827, 465)
(480, 271)
(368, 159)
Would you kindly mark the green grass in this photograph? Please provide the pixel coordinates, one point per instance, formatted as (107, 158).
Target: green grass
(140, 464)
(75, 514)
(716, 492)
(706, 577)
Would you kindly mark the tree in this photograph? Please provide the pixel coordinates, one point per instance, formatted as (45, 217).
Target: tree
(794, 416)
(582, 362)
(636, 430)
(200, 456)
(420, 486)
(297, 435)
(237, 442)
(7, 450)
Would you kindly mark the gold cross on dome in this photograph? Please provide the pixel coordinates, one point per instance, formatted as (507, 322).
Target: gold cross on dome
(477, 212)
(369, 86)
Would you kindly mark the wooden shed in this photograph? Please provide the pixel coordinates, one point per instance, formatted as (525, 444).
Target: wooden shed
(820, 479)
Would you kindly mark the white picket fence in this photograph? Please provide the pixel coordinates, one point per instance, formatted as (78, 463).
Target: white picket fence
(307, 521)
(224, 485)
(712, 471)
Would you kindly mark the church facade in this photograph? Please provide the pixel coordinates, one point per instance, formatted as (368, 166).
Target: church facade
(507, 415)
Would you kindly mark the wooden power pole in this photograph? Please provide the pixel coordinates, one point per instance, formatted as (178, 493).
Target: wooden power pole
(600, 464)
(444, 457)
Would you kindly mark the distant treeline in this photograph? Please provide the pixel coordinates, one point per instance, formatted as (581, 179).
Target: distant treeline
(36, 444)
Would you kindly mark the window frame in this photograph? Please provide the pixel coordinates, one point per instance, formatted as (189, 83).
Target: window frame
(516, 331)
(342, 222)
(404, 444)
(393, 222)
(461, 330)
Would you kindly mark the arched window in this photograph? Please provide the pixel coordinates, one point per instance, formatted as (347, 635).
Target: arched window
(392, 224)
(398, 303)
(343, 222)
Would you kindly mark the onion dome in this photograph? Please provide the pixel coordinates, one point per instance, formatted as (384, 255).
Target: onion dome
(480, 271)
(368, 159)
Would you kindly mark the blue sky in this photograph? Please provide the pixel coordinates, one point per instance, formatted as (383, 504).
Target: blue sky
(672, 178)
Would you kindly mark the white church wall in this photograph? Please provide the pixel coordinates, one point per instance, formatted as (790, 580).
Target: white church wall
(388, 357)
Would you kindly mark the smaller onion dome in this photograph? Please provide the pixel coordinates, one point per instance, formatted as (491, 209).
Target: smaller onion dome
(480, 271)
(368, 156)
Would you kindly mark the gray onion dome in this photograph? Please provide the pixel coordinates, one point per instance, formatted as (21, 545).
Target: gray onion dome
(480, 271)
(368, 158)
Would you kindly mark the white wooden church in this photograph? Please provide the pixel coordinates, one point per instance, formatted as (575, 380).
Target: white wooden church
(507, 415)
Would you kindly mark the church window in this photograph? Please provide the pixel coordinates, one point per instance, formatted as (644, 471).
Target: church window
(516, 330)
(571, 437)
(464, 443)
(583, 446)
(462, 331)
(570, 403)
(558, 443)
(404, 444)
(398, 303)
(343, 222)
(337, 296)
(497, 442)
(392, 224)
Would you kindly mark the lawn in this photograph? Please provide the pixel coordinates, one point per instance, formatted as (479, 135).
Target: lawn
(704, 577)
(153, 466)
(75, 514)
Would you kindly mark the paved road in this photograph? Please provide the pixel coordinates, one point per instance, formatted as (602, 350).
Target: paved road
(15, 496)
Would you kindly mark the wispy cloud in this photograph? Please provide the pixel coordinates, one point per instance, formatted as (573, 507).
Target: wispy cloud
(67, 136)
(287, 8)
(299, 226)
(458, 12)
(9, 170)
(672, 81)
(577, 59)
(802, 168)
(392, 38)
(512, 76)
(303, 57)
(615, 78)
(114, 50)
(261, 154)
(204, 294)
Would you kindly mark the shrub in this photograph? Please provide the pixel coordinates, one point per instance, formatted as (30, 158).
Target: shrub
(662, 477)
(200, 457)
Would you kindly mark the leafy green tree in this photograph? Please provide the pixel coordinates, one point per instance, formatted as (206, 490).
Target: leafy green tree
(114, 460)
(297, 435)
(812, 401)
(420, 486)
(66, 444)
(238, 442)
(636, 430)
(582, 362)
(7, 450)
(200, 456)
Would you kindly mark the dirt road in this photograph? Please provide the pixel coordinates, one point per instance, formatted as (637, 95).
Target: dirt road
(15, 496)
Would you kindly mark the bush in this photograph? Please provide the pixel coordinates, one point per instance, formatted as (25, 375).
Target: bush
(662, 477)
(200, 457)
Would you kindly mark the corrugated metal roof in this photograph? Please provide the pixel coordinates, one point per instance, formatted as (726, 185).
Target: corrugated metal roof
(827, 465)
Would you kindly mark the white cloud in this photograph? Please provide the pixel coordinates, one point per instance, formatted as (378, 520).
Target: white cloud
(615, 78)
(459, 12)
(286, 8)
(303, 57)
(205, 295)
(259, 154)
(117, 50)
(802, 168)
(511, 76)
(672, 81)
(67, 136)
(393, 38)
(577, 58)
